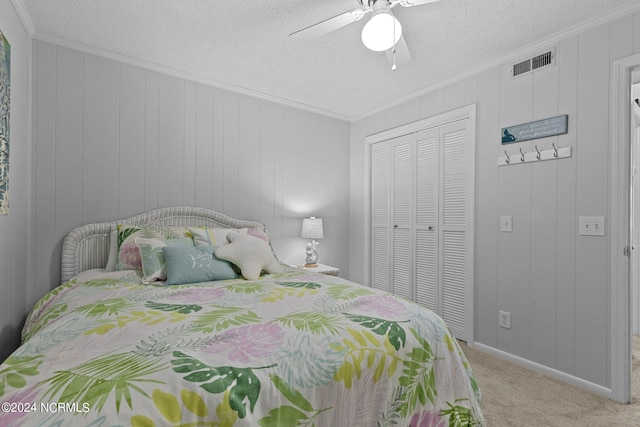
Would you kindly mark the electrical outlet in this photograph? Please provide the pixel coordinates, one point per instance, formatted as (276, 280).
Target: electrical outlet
(504, 319)
(506, 223)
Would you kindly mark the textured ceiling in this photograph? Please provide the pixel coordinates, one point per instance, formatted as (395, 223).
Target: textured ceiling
(245, 44)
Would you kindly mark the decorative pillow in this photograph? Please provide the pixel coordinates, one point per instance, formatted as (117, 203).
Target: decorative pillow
(255, 232)
(218, 236)
(113, 249)
(194, 265)
(128, 252)
(152, 256)
(210, 236)
(251, 254)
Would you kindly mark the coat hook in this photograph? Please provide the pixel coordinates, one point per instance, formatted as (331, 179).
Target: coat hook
(555, 150)
(508, 158)
(521, 155)
(538, 151)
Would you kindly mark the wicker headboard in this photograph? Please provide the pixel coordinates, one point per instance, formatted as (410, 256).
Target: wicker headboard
(87, 247)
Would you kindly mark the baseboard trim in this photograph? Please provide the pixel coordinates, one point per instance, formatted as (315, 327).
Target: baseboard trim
(545, 370)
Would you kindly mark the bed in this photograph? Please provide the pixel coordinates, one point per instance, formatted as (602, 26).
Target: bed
(115, 346)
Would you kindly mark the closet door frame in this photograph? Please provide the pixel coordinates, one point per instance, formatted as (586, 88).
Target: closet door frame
(463, 113)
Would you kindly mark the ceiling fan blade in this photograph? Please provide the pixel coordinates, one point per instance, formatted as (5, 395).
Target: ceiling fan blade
(411, 3)
(402, 53)
(328, 25)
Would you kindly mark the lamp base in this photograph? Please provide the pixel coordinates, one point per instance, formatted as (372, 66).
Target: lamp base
(312, 254)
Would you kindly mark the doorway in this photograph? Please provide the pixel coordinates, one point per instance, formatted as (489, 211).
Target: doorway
(635, 202)
(621, 212)
(635, 231)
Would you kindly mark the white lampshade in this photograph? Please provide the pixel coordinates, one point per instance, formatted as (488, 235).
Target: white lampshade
(312, 228)
(382, 31)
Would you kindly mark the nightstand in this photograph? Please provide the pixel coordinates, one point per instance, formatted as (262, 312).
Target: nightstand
(321, 268)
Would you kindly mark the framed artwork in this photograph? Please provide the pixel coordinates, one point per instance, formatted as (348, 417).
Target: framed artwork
(5, 96)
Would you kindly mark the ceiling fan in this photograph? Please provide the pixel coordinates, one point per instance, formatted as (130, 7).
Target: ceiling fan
(383, 32)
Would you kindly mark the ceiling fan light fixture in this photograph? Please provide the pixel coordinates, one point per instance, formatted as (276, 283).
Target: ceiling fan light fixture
(382, 31)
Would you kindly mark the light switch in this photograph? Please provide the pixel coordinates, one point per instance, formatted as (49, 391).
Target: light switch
(506, 223)
(591, 226)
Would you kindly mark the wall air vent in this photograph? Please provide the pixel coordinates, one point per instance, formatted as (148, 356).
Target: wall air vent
(522, 67)
(537, 62)
(542, 60)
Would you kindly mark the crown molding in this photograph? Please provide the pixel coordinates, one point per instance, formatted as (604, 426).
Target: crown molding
(511, 56)
(514, 55)
(103, 53)
(24, 16)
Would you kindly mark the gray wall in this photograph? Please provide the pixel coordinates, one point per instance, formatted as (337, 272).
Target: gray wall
(112, 140)
(15, 230)
(553, 281)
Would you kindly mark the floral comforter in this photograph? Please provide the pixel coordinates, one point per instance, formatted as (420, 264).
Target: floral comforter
(288, 349)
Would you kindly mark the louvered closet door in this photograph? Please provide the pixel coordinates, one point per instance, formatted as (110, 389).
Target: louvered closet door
(402, 216)
(381, 216)
(422, 234)
(453, 233)
(427, 257)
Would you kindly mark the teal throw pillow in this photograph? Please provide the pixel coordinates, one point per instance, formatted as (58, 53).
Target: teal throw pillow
(194, 265)
(152, 257)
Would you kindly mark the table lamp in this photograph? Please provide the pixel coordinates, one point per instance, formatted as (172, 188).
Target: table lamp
(312, 229)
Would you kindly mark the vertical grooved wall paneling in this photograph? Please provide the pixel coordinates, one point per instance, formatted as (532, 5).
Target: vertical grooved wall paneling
(514, 199)
(151, 140)
(171, 141)
(68, 182)
(44, 168)
(592, 314)
(16, 228)
(113, 140)
(267, 156)
(544, 214)
(131, 149)
(229, 157)
(217, 159)
(203, 172)
(566, 216)
(100, 132)
(486, 218)
(552, 280)
(248, 161)
(189, 163)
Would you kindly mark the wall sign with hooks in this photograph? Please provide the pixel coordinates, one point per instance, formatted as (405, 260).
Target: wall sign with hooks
(519, 157)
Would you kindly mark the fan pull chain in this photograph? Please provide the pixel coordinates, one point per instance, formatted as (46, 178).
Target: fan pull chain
(393, 66)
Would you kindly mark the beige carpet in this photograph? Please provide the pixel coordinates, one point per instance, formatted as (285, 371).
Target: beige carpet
(515, 396)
